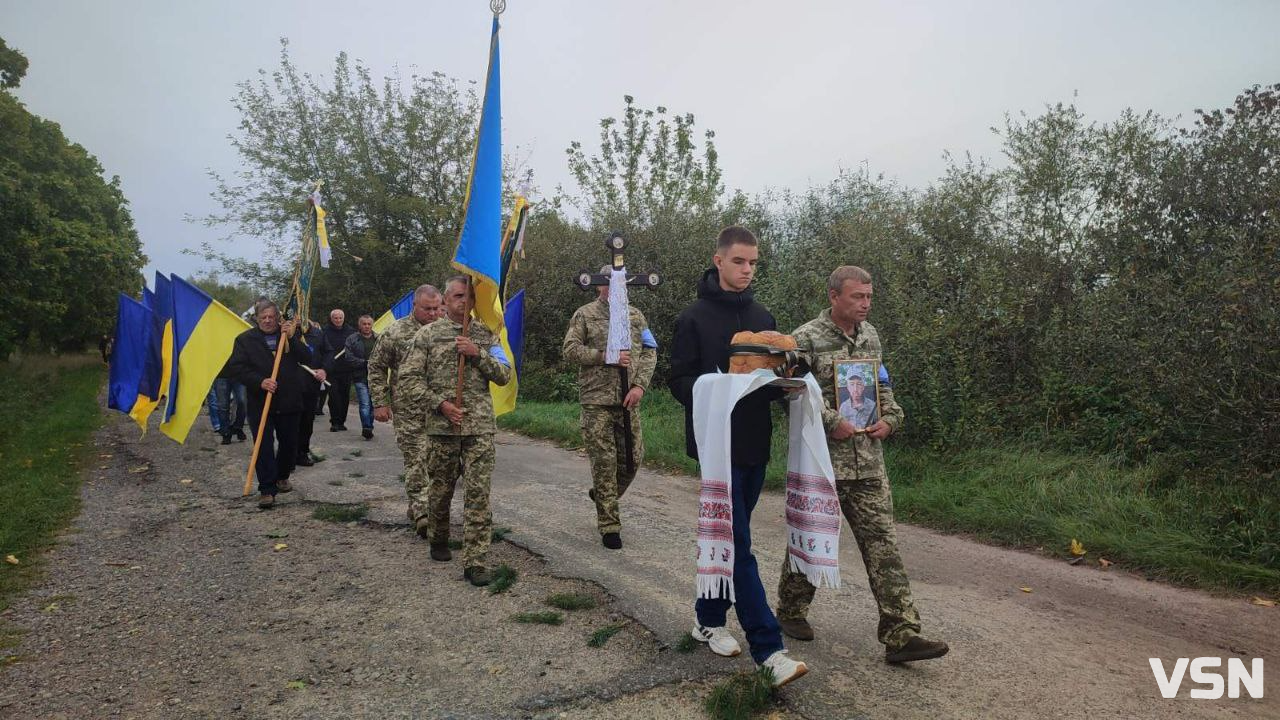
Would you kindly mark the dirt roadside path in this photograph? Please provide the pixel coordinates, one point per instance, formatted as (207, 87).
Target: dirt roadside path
(168, 599)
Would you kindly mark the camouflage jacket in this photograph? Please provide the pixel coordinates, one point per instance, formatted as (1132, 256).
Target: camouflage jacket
(823, 344)
(429, 376)
(584, 346)
(384, 364)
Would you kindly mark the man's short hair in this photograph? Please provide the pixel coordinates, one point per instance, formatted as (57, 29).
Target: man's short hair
(425, 291)
(843, 274)
(263, 305)
(735, 235)
(366, 315)
(457, 279)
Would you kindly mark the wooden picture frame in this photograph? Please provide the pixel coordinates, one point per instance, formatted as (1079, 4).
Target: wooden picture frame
(848, 375)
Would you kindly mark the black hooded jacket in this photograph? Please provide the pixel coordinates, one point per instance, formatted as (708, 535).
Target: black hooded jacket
(701, 345)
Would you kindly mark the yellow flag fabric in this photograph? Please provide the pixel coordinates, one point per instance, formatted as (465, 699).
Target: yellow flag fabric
(204, 332)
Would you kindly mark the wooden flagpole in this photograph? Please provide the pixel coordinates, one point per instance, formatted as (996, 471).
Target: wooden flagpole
(303, 312)
(262, 421)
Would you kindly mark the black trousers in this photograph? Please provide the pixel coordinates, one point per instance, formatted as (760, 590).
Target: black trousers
(275, 463)
(307, 421)
(339, 400)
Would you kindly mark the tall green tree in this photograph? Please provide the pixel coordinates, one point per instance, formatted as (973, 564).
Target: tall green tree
(394, 155)
(13, 66)
(655, 178)
(67, 241)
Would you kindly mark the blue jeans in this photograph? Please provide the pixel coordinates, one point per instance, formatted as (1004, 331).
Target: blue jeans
(366, 404)
(754, 615)
(223, 392)
(214, 416)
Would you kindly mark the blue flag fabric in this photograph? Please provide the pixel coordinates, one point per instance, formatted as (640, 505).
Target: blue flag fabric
(515, 329)
(479, 252)
(400, 309)
(157, 377)
(129, 358)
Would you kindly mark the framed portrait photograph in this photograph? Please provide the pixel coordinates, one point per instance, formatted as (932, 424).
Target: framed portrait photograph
(857, 392)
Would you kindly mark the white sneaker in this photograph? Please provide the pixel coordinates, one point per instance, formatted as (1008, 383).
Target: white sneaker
(784, 669)
(718, 639)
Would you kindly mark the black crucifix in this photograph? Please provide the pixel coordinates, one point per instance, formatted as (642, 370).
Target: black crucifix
(615, 244)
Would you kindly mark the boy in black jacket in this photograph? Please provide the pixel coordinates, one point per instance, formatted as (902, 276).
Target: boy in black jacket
(725, 306)
(252, 357)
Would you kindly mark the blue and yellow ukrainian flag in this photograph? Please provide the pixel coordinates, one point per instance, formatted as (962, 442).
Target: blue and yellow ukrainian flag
(130, 354)
(515, 331)
(203, 333)
(157, 376)
(401, 309)
(479, 252)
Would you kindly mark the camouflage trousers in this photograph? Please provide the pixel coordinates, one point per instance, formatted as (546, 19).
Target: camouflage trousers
(604, 435)
(469, 457)
(411, 436)
(868, 506)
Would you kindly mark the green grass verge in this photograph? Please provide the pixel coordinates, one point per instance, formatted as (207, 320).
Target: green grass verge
(503, 578)
(1192, 531)
(601, 636)
(544, 617)
(1189, 532)
(571, 601)
(742, 696)
(48, 411)
(340, 513)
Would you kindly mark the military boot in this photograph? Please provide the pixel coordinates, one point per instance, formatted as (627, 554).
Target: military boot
(477, 575)
(799, 629)
(917, 648)
(440, 552)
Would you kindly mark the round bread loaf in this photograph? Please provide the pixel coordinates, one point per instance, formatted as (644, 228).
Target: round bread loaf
(771, 339)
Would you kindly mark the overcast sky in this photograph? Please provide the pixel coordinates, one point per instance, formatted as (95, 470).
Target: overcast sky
(794, 90)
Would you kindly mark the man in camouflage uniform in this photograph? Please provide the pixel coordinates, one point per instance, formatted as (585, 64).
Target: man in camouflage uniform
(388, 402)
(843, 333)
(461, 438)
(603, 425)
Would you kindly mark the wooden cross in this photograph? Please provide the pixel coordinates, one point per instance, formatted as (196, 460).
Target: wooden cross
(615, 244)
(586, 280)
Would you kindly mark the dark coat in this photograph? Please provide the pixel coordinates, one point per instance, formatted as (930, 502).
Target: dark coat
(701, 345)
(251, 363)
(335, 339)
(356, 361)
(316, 349)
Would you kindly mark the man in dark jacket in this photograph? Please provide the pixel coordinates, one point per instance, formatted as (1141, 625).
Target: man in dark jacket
(724, 307)
(252, 358)
(311, 385)
(359, 348)
(336, 333)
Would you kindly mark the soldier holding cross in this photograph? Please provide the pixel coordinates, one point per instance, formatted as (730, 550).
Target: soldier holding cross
(610, 421)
